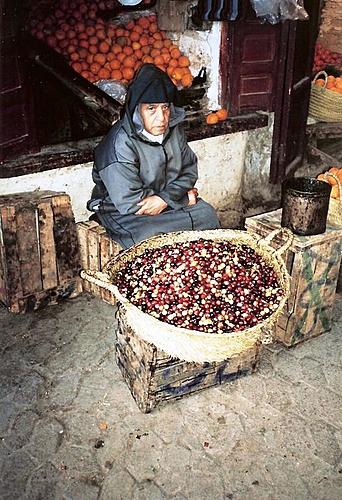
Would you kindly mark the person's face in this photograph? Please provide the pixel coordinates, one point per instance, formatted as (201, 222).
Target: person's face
(155, 117)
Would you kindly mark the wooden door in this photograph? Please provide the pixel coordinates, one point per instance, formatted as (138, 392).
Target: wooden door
(17, 134)
(249, 61)
(297, 45)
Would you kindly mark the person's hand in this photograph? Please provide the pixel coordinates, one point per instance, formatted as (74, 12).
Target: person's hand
(151, 205)
(192, 195)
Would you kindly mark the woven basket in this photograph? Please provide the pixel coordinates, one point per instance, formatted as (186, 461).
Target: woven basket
(192, 345)
(335, 206)
(325, 105)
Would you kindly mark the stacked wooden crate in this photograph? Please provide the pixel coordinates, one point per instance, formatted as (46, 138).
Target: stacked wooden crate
(39, 257)
(154, 377)
(96, 249)
(313, 263)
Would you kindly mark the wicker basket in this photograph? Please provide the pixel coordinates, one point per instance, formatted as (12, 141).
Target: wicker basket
(325, 105)
(335, 205)
(192, 345)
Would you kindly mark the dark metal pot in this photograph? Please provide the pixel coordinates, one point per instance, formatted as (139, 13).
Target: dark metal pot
(305, 203)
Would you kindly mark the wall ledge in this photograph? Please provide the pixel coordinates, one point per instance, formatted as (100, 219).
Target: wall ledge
(76, 153)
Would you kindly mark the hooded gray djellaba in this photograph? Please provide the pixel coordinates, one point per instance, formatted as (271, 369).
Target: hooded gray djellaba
(128, 166)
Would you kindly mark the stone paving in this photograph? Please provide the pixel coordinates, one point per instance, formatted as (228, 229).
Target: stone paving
(69, 428)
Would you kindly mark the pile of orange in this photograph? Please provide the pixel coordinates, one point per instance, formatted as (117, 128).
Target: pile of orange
(216, 116)
(337, 171)
(333, 83)
(108, 51)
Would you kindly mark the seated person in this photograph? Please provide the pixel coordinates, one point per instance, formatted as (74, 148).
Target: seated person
(144, 170)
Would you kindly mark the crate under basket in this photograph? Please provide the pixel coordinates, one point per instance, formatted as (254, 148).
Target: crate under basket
(154, 377)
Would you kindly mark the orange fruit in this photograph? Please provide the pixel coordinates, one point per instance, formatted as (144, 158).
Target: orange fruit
(166, 57)
(155, 53)
(187, 80)
(158, 60)
(120, 32)
(320, 82)
(177, 74)
(138, 29)
(335, 192)
(136, 46)
(100, 58)
(116, 74)
(74, 56)
(134, 36)
(127, 50)
(104, 73)
(158, 44)
(183, 61)
(104, 47)
(175, 53)
(93, 49)
(173, 63)
(143, 41)
(115, 64)
(157, 36)
(138, 53)
(211, 119)
(121, 56)
(110, 56)
(153, 28)
(93, 40)
(167, 43)
(330, 85)
(129, 62)
(130, 25)
(116, 48)
(127, 73)
(101, 34)
(143, 22)
(95, 68)
(222, 114)
(321, 177)
(76, 66)
(147, 59)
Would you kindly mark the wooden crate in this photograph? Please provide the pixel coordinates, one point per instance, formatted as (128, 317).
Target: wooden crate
(39, 258)
(313, 263)
(154, 377)
(96, 249)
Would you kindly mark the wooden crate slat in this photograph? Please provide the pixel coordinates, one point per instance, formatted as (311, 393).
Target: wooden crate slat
(65, 236)
(3, 268)
(10, 253)
(94, 257)
(82, 235)
(28, 248)
(47, 245)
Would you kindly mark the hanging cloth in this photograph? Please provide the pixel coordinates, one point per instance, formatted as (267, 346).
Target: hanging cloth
(217, 10)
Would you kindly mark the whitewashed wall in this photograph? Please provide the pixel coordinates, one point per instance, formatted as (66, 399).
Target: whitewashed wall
(222, 167)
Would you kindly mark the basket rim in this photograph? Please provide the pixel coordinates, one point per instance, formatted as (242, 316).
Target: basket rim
(219, 235)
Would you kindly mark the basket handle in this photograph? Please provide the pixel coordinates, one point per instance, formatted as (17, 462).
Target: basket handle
(285, 246)
(103, 280)
(338, 183)
(325, 74)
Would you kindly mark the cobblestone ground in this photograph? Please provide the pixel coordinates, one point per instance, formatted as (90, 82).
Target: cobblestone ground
(69, 428)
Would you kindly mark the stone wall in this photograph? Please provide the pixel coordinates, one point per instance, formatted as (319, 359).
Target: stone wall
(330, 35)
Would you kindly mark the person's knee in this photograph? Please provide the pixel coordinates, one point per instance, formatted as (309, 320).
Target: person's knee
(210, 217)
